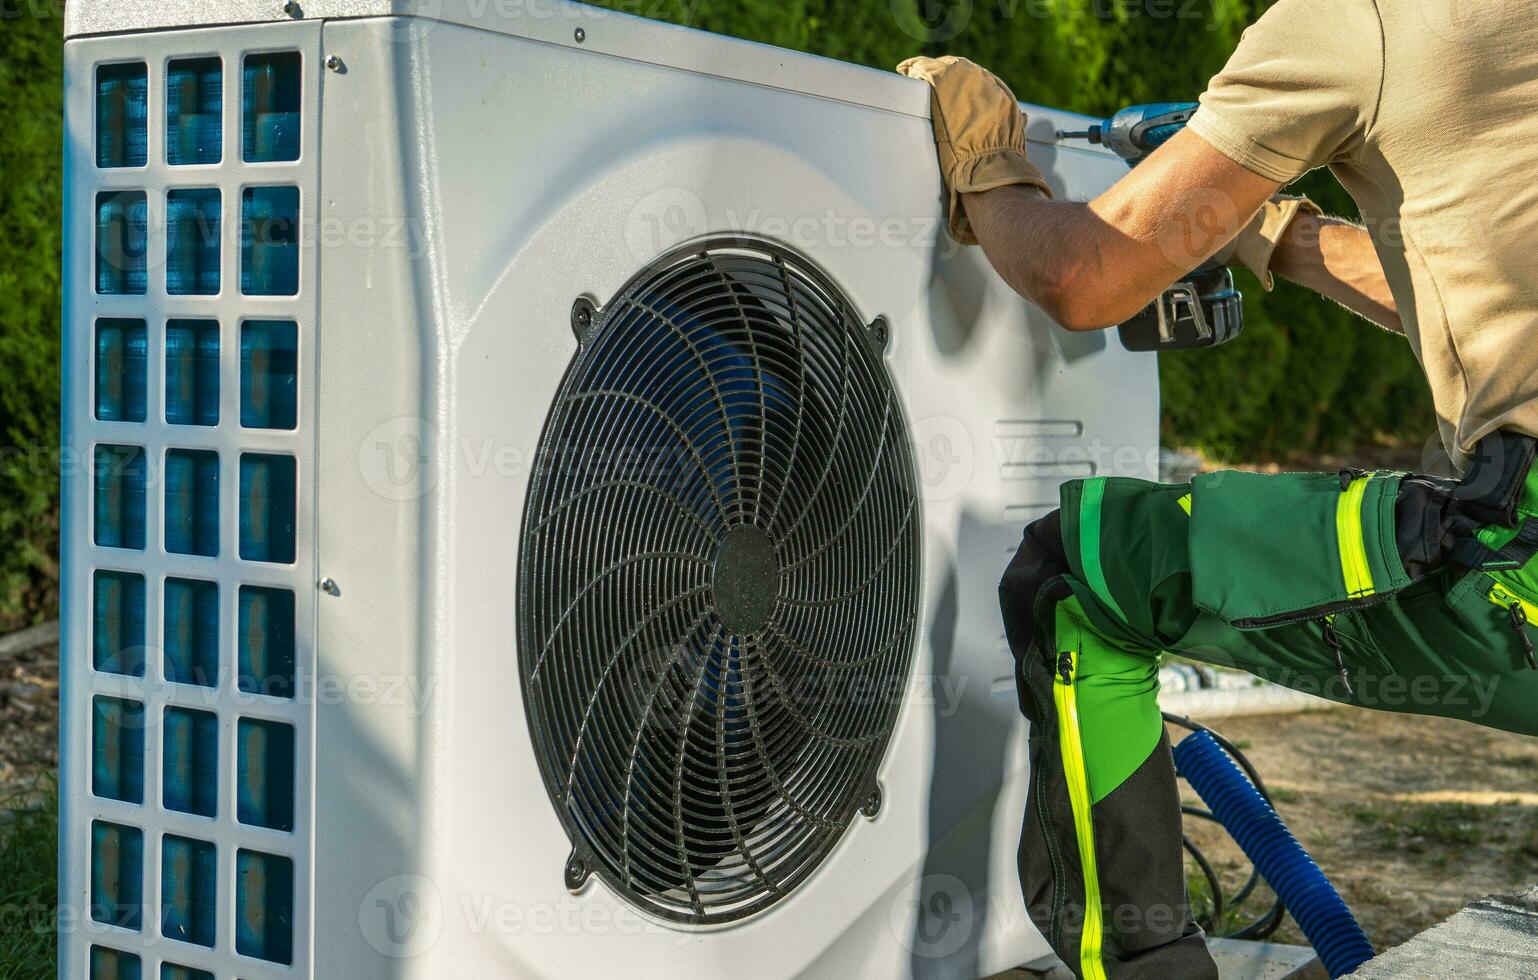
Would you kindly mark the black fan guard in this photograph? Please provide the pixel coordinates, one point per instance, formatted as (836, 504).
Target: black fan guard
(718, 581)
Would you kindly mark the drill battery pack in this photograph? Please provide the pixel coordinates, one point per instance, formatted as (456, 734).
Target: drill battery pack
(1201, 310)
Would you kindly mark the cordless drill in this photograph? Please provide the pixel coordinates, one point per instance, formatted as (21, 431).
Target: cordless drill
(1202, 309)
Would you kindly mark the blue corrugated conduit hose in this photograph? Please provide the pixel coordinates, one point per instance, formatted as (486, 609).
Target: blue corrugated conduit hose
(1238, 801)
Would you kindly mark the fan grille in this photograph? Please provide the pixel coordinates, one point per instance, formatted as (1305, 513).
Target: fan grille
(718, 581)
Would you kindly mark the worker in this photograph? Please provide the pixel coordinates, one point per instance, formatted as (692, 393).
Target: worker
(1383, 590)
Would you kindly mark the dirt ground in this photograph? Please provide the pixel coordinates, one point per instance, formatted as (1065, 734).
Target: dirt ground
(1410, 817)
(29, 711)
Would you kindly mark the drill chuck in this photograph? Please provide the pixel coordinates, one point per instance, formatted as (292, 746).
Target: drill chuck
(1201, 310)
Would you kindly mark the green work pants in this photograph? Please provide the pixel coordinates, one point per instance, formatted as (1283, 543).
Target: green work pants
(1296, 578)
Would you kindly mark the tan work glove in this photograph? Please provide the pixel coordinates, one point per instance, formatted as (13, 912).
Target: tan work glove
(1254, 246)
(979, 132)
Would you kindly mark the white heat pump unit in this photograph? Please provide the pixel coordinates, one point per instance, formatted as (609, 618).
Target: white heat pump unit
(538, 480)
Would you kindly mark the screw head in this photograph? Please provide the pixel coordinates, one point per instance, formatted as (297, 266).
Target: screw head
(334, 63)
(583, 314)
(872, 805)
(880, 332)
(292, 9)
(576, 872)
(580, 35)
(328, 585)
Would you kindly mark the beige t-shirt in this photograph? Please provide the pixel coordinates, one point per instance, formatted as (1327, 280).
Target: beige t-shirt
(1427, 112)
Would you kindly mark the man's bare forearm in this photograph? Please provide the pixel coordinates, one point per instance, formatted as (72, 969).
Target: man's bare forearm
(1047, 251)
(1337, 259)
(1094, 265)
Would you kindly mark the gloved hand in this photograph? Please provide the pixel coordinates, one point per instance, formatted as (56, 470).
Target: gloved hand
(979, 132)
(1254, 246)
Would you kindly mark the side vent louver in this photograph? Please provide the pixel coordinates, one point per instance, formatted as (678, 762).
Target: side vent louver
(188, 564)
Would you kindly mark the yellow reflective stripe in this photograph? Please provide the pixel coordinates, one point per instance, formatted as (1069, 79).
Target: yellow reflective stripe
(1353, 541)
(1092, 939)
(1505, 598)
(1185, 504)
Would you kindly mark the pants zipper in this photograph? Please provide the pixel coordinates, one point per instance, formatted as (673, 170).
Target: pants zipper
(1039, 775)
(1091, 939)
(1520, 612)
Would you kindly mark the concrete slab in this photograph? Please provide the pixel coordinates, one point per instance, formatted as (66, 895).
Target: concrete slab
(1491, 939)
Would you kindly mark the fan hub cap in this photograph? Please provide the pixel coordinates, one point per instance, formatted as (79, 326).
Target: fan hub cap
(745, 580)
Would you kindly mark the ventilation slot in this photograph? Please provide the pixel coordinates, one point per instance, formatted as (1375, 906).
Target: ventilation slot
(192, 372)
(112, 964)
(264, 906)
(269, 374)
(192, 242)
(266, 642)
(271, 91)
(122, 229)
(192, 632)
(121, 361)
(117, 623)
(117, 875)
(119, 488)
(191, 752)
(194, 111)
(122, 116)
(188, 892)
(266, 508)
(192, 502)
(269, 247)
(117, 749)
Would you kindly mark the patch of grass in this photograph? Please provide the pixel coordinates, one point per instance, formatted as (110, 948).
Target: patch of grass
(1282, 794)
(29, 848)
(1418, 828)
(1515, 761)
(1199, 895)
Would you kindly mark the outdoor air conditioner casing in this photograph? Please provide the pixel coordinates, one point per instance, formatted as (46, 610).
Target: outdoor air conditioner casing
(466, 174)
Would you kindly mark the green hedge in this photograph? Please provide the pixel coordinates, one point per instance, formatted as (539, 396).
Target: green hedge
(1306, 377)
(30, 147)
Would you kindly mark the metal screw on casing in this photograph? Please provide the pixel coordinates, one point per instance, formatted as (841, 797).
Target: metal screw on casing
(576, 872)
(581, 35)
(583, 315)
(872, 804)
(334, 63)
(879, 333)
(329, 586)
(293, 9)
